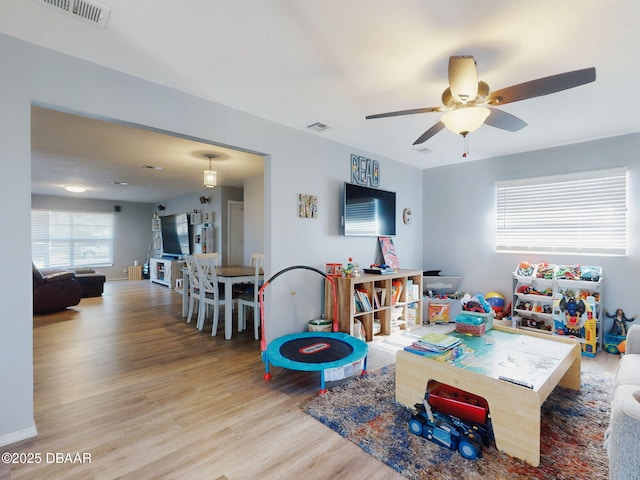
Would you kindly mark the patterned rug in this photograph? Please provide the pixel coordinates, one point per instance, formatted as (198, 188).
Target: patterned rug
(572, 433)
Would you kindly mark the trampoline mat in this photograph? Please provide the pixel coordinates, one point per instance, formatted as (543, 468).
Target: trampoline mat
(315, 349)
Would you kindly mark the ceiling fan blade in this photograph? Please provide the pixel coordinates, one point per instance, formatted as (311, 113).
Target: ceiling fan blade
(542, 86)
(505, 121)
(429, 133)
(463, 78)
(404, 112)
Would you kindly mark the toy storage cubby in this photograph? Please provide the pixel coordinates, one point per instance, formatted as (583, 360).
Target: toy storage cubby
(376, 301)
(533, 301)
(560, 300)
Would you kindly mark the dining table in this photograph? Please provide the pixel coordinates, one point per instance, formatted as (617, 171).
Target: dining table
(229, 275)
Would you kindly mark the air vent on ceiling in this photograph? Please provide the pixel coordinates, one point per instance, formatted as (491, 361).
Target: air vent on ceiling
(424, 150)
(318, 126)
(87, 10)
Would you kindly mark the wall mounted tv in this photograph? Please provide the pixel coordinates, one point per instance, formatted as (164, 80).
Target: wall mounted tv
(368, 212)
(176, 235)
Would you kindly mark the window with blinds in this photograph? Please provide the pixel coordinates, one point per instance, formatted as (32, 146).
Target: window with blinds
(71, 239)
(570, 214)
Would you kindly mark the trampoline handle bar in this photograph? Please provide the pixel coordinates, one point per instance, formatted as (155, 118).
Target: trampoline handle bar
(263, 343)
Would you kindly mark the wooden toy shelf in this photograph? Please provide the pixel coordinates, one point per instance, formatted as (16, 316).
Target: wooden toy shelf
(379, 297)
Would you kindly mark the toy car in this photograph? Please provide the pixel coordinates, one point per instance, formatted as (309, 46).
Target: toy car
(448, 431)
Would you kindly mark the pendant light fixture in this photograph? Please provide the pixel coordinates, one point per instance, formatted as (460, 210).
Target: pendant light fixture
(210, 175)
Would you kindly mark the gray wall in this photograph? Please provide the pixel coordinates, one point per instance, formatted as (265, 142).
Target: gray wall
(459, 217)
(132, 227)
(296, 162)
(253, 217)
(217, 204)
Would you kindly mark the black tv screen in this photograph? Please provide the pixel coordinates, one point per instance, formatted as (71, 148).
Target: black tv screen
(176, 235)
(368, 212)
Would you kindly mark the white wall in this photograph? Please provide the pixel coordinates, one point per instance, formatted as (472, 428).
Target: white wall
(253, 217)
(296, 162)
(217, 204)
(459, 214)
(131, 227)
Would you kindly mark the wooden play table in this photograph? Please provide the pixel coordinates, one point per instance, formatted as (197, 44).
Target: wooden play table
(542, 361)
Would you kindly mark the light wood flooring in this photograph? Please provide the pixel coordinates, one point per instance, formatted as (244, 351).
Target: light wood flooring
(124, 379)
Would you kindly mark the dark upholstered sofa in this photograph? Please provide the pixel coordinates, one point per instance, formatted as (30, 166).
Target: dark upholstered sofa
(54, 290)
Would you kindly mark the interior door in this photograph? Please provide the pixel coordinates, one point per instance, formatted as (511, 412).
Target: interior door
(235, 232)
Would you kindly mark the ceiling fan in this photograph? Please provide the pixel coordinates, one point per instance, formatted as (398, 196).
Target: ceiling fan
(468, 101)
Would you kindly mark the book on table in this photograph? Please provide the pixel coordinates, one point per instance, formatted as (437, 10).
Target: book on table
(438, 342)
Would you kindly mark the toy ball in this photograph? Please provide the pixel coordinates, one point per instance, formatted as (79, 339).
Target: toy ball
(496, 300)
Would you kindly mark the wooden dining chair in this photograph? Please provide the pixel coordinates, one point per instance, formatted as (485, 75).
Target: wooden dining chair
(194, 281)
(194, 285)
(250, 298)
(210, 291)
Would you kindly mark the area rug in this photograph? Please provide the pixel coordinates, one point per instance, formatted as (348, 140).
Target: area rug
(572, 433)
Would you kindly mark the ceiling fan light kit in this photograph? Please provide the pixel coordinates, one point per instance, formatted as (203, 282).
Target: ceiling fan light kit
(468, 102)
(465, 120)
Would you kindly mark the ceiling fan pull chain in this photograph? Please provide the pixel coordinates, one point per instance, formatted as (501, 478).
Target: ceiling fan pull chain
(465, 146)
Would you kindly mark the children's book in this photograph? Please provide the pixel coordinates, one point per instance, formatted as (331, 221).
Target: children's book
(389, 252)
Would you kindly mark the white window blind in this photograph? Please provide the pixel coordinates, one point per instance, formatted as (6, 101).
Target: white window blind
(570, 214)
(71, 239)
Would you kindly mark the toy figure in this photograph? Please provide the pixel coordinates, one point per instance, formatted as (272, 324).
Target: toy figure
(572, 309)
(620, 321)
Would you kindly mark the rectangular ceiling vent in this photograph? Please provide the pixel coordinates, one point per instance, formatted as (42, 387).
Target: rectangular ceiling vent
(424, 150)
(318, 126)
(87, 10)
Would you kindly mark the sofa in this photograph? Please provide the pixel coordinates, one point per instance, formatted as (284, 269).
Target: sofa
(54, 290)
(622, 438)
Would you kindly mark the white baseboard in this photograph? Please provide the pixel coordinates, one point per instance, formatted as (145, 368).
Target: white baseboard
(13, 437)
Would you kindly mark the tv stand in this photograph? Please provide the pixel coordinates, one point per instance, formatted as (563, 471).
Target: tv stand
(165, 271)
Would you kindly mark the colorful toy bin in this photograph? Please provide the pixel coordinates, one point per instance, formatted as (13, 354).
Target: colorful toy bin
(471, 324)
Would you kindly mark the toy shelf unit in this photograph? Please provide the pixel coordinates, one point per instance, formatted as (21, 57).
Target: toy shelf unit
(381, 303)
(560, 300)
(165, 271)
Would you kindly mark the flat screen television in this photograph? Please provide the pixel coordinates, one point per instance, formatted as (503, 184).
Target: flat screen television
(176, 235)
(368, 212)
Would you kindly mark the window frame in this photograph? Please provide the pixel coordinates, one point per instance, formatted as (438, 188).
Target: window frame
(534, 215)
(82, 239)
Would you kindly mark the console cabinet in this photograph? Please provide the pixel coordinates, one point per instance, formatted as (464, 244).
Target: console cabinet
(381, 303)
(165, 271)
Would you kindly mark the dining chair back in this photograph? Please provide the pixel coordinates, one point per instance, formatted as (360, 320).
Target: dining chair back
(250, 297)
(194, 285)
(210, 291)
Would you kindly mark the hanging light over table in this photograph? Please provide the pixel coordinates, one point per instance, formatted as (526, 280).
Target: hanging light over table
(210, 175)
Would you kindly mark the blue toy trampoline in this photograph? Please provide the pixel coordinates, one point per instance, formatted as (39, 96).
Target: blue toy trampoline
(311, 351)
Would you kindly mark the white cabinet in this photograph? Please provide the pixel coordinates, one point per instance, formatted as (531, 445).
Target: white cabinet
(561, 300)
(165, 271)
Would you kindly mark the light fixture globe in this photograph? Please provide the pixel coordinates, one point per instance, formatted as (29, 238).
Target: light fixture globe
(465, 119)
(210, 175)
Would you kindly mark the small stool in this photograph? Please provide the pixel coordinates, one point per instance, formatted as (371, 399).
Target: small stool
(92, 282)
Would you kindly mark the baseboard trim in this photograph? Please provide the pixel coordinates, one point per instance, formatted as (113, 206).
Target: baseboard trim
(18, 436)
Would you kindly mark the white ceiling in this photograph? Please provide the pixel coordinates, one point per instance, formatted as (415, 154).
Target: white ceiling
(297, 62)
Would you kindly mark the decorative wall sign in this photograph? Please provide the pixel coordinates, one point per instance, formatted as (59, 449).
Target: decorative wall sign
(307, 206)
(207, 219)
(365, 171)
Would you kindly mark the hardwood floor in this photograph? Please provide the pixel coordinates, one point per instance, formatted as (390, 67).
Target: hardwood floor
(124, 380)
